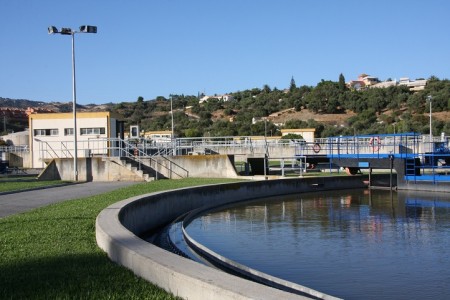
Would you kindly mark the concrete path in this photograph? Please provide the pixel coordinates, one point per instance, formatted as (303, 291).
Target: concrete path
(24, 201)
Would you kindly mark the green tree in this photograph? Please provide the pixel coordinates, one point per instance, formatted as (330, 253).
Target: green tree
(292, 136)
(376, 99)
(324, 98)
(342, 85)
(416, 103)
(192, 132)
(295, 124)
(292, 86)
(266, 88)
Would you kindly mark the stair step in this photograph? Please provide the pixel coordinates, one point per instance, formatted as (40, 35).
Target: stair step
(148, 178)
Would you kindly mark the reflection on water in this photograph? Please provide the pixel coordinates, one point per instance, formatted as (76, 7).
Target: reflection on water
(355, 244)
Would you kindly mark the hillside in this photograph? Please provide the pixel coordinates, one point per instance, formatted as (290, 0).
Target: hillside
(305, 114)
(19, 103)
(330, 108)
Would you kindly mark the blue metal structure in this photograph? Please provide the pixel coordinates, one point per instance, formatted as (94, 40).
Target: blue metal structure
(423, 159)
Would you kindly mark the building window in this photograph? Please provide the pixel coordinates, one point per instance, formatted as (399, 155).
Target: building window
(68, 131)
(39, 132)
(46, 132)
(92, 131)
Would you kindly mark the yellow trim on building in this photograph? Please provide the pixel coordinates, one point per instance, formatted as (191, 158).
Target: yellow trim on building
(69, 115)
(158, 132)
(297, 130)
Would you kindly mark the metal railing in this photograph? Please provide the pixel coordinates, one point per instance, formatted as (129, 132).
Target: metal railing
(433, 155)
(114, 147)
(376, 146)
(23, 148)
(47, 150)
(138, 152)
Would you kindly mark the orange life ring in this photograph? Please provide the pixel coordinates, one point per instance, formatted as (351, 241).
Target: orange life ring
(316, 148)
(375, 143)
(351, 170)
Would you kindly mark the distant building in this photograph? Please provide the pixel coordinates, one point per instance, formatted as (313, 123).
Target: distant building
(257, 119)
(20, 138)
(224, 98)
(414, 85)
(365, 81)
(51, 135)
(159, 136)
(385, 84)
(306, 133)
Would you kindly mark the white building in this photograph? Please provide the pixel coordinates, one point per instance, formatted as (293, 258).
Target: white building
(306, 133)
(414, 85)
(224, 98)
(52, 135)
(159, 136)
(20, 138)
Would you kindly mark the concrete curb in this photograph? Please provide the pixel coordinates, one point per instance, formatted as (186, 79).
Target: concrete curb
(119, 227)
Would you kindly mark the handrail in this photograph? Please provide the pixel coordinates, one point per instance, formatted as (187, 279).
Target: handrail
(141, 154)
(400, 145)
(48, 145)
(178, 166)
(63, 145)
(377, 146)
(22, 148)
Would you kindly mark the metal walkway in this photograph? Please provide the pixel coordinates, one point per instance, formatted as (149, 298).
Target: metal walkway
(424, 159)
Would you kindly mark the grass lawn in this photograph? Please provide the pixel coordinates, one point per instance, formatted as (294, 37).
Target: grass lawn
(51, 252)
(14, 184)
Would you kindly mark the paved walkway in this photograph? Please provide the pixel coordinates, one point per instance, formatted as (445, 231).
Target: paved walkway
(24, 201)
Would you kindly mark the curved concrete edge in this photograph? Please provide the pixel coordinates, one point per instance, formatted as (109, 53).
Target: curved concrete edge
(244, 270)
(118, 228)
(255, 274)
(177, 275)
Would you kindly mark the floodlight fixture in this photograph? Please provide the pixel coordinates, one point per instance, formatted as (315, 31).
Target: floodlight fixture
(52, 30)
(66, 31)
(88, 29)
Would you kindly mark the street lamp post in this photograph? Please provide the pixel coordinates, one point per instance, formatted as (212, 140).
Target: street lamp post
(431, 129)
(171, 113)
(265, 144)
(69, 31)
(173, 136)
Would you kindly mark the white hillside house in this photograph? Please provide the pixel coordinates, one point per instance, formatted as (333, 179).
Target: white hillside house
(224, 98)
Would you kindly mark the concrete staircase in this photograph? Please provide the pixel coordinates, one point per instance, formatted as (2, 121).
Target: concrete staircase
(143, 171)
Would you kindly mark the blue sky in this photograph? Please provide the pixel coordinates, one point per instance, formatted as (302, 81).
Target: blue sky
(156, 48)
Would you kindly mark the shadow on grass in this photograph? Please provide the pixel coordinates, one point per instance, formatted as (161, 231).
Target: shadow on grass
(90, 276)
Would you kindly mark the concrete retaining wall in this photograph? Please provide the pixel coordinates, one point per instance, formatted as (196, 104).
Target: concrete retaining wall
(19, 159)
(89, 169)
(204, 166)
(97, 169)
(119, 226)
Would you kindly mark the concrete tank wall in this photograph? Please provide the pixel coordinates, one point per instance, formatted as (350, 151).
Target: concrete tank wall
(119, 226)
